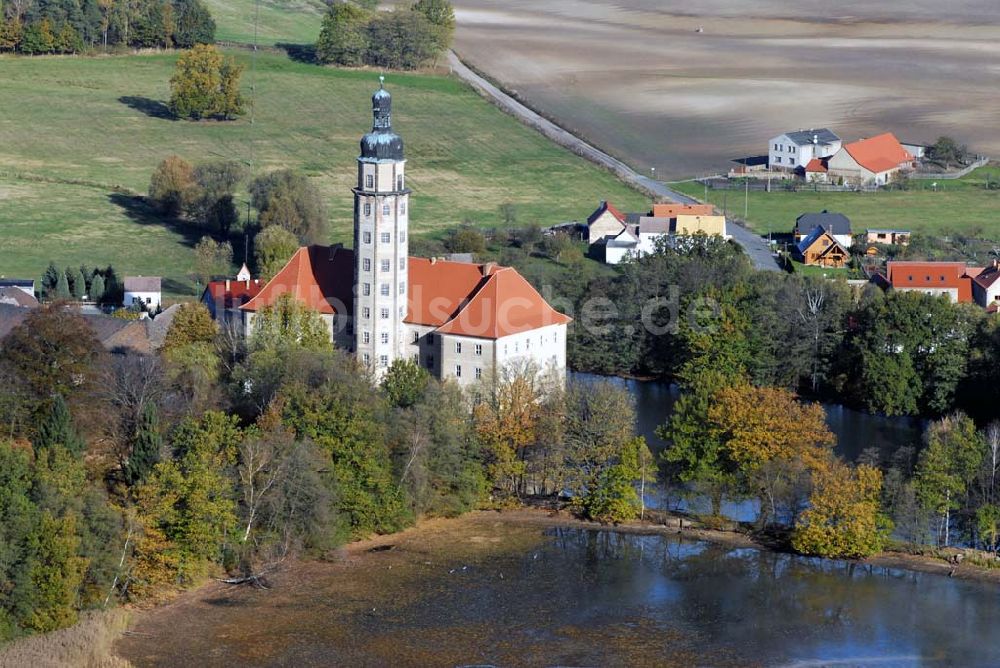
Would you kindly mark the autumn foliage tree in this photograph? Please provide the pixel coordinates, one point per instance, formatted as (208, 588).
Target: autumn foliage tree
(206, 85)
(844, 517)
(774, 440)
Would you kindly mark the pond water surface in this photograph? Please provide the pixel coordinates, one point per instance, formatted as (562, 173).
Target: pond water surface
(511, 596)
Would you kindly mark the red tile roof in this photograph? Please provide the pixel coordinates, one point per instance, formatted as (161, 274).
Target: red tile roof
(504, 304)
(817, 165)
(229, 294)
(988, 276)
(880, 153)
(606, 206)
(672, 210)
(321, 277)
(926, 275)
(484, 301)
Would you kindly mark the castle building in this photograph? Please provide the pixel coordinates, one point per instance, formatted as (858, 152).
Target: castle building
(459, 320)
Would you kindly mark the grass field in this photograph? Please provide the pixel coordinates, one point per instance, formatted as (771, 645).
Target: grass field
(280, 21)
(963, 206)
(72, 129)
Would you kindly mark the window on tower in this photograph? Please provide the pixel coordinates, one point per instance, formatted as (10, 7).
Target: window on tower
(402, 288)
(386, 265)
(399, 182)
(366, 336)
(368, 208)
(386, 210)
(402, 263)
(385, 237)
(366, 264)
(370, 181)
(366, 289)
(385, 337)
(402, 237)
(366, 313)
(402, 207)
(384, 289)
(367, 359)
(383, 360)
(384, 314)
(366, 237)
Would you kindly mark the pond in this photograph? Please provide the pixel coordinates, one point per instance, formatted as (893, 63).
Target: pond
(487, 592)
(855, 431)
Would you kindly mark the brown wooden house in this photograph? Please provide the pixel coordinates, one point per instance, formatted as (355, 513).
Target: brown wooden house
(819, 248)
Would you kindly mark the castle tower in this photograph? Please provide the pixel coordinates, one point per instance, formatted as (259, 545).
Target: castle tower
(381, 247)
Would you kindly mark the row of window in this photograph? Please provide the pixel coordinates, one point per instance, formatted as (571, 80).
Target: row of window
(384, 265)
(370, 181)
(383, 360)
(384, 289)
(527, 343)
(386, 208)
(366, 313)
(383, 237)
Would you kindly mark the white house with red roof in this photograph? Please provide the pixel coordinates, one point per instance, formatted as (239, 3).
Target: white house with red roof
(986, 286)
(873, 161)
(459, 320)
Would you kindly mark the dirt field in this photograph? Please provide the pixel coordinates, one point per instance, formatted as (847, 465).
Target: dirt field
(636, 78)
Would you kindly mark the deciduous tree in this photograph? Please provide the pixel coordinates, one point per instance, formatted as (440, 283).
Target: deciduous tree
(273, 248)
(206, 85)
(843, 519)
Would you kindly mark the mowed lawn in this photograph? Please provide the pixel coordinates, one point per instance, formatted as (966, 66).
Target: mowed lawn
(100, 121)
(961, 206)
(278, 21)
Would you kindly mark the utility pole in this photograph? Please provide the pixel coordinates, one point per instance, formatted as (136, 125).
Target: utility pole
(746, 202)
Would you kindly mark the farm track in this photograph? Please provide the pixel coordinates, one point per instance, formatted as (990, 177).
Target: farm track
(755, 247)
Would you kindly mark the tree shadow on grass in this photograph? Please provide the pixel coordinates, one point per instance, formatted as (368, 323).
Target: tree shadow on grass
(302, 53)
(150, 107)
(139, 210)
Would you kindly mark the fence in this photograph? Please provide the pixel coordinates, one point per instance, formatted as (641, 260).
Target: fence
(981, 161)
(786, 185)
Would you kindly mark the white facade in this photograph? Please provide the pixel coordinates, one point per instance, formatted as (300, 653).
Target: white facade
(149, 300)
(795, 149)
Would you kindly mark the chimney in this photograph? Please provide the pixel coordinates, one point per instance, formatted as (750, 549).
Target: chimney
(489, 268)
(227, 285)
(434, 260)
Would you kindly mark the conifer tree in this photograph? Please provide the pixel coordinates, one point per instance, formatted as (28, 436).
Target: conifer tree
(79, 286)
(57, 429)
(145, 446)
(62, 286)
(97, 288)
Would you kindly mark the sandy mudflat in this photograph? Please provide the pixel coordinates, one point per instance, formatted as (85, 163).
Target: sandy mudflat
(637, 79)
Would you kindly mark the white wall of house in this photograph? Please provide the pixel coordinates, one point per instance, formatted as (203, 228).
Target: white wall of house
(606, 225)
(952, 293)
(985, 296)
(151, 300)
(783, 153)
(618, 254)
(544, 347)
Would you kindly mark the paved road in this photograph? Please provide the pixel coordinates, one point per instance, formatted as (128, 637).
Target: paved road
(754, 245)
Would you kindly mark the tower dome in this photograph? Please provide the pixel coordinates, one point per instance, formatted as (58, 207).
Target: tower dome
(381, 143)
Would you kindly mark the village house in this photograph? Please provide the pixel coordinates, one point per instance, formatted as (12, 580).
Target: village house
(614, 236)
(986, 286)
(25, 285)
(794, 150)
(888, 237)
(875, 161)
(460, 321)
(224, 298)
(837, 224)
(17, 297)
(142, 291)
(820, 248)
(952, 279)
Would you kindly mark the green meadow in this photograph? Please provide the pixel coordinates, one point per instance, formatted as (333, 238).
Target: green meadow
(75, 132)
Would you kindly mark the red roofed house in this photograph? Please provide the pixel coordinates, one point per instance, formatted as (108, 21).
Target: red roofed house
(986, 286)
(953, 279)
(458, 320)
(873, 161)
(223, 299)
